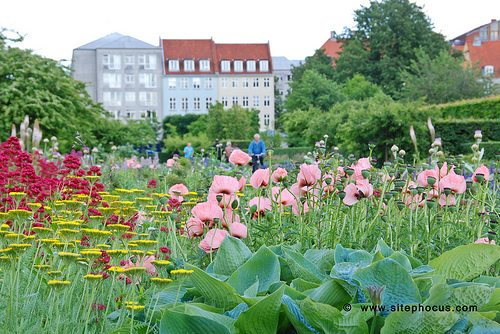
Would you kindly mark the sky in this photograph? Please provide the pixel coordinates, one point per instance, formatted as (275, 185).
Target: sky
(53, 28)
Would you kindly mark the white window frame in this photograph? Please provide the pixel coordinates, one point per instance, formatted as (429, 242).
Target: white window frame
(263, 65)
(173, 65)
(172, 103)
(267, 119)
(245, 101)
(129, 78)
(225, 66)
(267, 101)
(224, 101)
(489, 70)
(256, 101)
(112, 61)
(223, 82)
(184, 103)
(235, 100)
(130, 96)
(196, 103)
(256, 82)
(208, 83)
(112, 80)
(128, 62)
(235, 82)
(149, 98)
(267, 82)
(204, 65)
(188, 65)
(184, 83)
(238, 65)
(196, 83)
(148, 61)
(245, 82)
(147, 80)
(208, 102)
(251, 66)
(113, 98)
(172, 83)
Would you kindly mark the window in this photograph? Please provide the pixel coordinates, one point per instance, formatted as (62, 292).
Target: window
(112, 80)
(224, 101)
(184, 83)
(130, 96)
(208, 83)
(173, 65)
(204, 65)
(208, 102)
(225, 66)
(477, 41)
(244, 82)
(172, 83)
(494, 31)
(148, 62)
(189, 65)
(483, 34)
(148, 98)
(147, 80)
(238, 65)
(264, 65)
(266, 119)
(266, 82)
(111, 62)
(172, 104)
(130, 114)
(129, 61)
(112, 98)
(250, 65)
(255, 101)
(245, 101)
(196, 83)
(223, 82)
(151, 113)
(184, 103)
(256, 82)
(129, 78)
(236, 82)
(267, 101)
(489, 70)
(235, 100)
(196, 103)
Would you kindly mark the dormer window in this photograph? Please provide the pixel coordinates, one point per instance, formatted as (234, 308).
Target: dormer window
(250, 65)
(204, 65)
(173, 65)
(189, 65)
(225, 66)
(238, 65)
(264, 66)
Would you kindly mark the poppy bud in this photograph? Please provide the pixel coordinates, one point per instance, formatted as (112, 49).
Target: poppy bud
(447, 191)
(219, 198)
(253, 208)
(457, 170)
(384, 218)
(348, 171)
(164, 200)
(440, 164)
(173, 216)
(328, 181)
(400, 205)
(430, 203)
(388, 195)
(414, 191)
(339, 186)
(452, 208)
(365, 173)
(480, 177)
(342, 194)
(431, 180)
(420, 190)
(234, 205)
(411, 169)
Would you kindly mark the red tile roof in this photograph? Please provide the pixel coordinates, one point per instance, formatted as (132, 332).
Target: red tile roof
(207, 49)
(332, 49)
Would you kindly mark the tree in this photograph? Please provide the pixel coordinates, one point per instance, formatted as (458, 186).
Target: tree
(313, 90)
(233, 123)
(179, 122)
(279, 106)
(43, 89)
(353, 60)
(296, 124)
(391, 31)
(358, 88)
(443, 79)
(319, 62)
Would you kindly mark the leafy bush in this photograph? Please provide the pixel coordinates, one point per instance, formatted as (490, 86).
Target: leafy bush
(198, 142)
(488, 108)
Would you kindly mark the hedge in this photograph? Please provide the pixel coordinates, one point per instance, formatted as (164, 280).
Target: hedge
(488, 108)
(491, 148)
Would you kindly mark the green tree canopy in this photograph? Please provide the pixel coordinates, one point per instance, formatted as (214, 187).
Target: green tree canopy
(443, 79)
(233, 123)
(179, 122)
(319, 62)
(391, 31)
(358, 88)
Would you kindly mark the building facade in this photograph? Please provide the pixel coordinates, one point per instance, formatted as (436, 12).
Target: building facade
(482, 45)
(122, 73)
(282, 68)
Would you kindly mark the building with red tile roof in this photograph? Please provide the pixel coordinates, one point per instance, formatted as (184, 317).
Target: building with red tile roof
(482, 45)
(332, 47)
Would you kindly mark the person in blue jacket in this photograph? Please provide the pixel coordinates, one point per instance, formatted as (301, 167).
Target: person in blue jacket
(257, 150)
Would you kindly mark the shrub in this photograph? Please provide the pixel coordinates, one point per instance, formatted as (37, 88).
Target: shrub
(488, 108)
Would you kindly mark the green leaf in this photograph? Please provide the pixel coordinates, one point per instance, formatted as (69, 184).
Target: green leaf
(352, 255)
(324, 259)
(297, 323)
(228, 322)
(400, 288)
(169, 294)
(300, 285)
(302, 267)
(383, 248)
(467, 261)
(263, 267)
(424, 284)
(462, 294)
(333, 293)
(419, 322)
(262, 317)
(490, 280)
(216, 293)
(179, 323)
(401, 259)
(327, 319)
(252, 290)
(231, 255)
(483, 325)
(494, 302)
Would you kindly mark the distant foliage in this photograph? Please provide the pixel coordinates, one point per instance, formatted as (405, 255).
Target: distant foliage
(480, 108)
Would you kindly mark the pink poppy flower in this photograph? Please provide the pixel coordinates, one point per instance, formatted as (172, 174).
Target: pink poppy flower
(308, 175)
(328, 188)
(283, 196)
(454, 182)
(356, 191)
(359, 167)
(422, 177)
(260, 178)
(239, 158)
(304, 208)
(297, 190)
(238, 230)
(242, 182)
(229, 218)
(485, 241)
(194, 227)
(446, 200)
(207, 211)
(279, 175)
(224, 185)
(142, 218)
(141, 262)
(213, 240)
(152, 166)
(130, 163)
(482, 170)
(138, 166)
(444, 170)
(262, 204)
(170, 162)
(411, 185)
(226, 200)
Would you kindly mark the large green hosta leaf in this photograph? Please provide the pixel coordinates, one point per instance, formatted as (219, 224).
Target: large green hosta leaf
(216, 293)
(400, 288)
(362, 257)
(483, 325)
(327, 319)
(466, 262)
(324, 259)
(461, 294)
(333, 292)
(494, 302)
(302, 267)
(263, 267)
(180, 323)
(230, 256)
(419, 322)
(262, 317)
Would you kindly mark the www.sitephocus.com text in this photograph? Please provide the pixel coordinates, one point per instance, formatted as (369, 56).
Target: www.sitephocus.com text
(416, 308)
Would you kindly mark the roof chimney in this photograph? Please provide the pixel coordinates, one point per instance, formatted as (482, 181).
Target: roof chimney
(332, 36)
(493, 20)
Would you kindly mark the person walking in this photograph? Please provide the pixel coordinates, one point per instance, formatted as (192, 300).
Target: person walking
(188, 151)
(257, 150)
(228, 150)
(218, 149)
